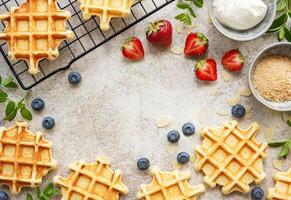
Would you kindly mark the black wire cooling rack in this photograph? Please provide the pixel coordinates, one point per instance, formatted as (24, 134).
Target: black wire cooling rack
(88, 36)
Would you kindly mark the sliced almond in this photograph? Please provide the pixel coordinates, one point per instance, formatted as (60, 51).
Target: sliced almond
(225, 76)
(245, 92)
(188, 29)
(179, 28)
(177, 50)
(269, 134)
(172, 149)
(286, 116)
(222, 113)
(277, 164)
(248, 108)
(163, 121)
(233, 100)
(248, 116)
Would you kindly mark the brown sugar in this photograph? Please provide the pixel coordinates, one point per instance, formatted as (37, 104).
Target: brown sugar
(272, 78)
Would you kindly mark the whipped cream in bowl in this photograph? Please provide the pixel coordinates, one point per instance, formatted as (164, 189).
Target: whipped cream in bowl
(242, 20)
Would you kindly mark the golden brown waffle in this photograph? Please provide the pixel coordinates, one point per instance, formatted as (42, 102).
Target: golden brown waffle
(91, 181)
(105, 10)
(170, 186)
(24, 157)
(231, 157)
(34, 31)
(282, 190)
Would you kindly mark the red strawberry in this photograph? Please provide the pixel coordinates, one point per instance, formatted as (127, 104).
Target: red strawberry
(196, 44)
(160, 33)
(206, 70)
(233, 60)
(132, 48)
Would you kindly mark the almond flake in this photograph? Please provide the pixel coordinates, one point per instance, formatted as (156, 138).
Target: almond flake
(225, 76)
(245, 92)
(286, 116)
(221, 112)
(179, 28)
(269, 134)
(248, 116)
(172, 149)
(277, 164)
(233, 100)
(248, 108)
(188, 29)
(163, 121)
(176, 50)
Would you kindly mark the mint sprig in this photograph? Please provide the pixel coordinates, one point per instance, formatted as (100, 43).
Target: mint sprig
(280, 24)
(47, 194)
(285, 145)
(187, 5)
(12, 107)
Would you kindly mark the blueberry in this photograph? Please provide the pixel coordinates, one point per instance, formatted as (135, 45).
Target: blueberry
(257, 193)
(4, 196)
(37, 104)
(188, 129)
(173, 136)
(48, 122)
(238, 111)
(143, 164)
(183, 157)
(74, 78)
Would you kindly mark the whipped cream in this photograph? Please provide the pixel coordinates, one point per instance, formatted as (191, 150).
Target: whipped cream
(240, 14)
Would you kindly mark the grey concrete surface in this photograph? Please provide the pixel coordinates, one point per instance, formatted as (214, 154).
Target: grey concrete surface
(113, 112)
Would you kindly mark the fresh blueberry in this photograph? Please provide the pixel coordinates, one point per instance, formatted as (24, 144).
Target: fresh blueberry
(4, 196)
(238, 111)
(183, 157)
(257, 193)
(48, 122)
(173, 136)
(74, 78)
(37, 104)
(188, 129)
(143, 164)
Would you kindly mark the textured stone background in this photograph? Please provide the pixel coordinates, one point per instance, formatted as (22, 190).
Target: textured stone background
(114, 110)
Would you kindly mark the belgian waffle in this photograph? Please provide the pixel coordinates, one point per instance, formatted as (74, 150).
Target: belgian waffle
(282, 189)
(231, 157)
(24, 157)
(34, 31)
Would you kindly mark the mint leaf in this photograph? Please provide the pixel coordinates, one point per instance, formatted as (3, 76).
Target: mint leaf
(278, 23)
(188, 7)
(289, 123)
(281, 34)
(198, 3)
(185, 18)
(10, 111)
(287, 34)
(29, 197)
(25, 113)
(9, 83)
(0, 79)
(277, 144)
(281, 5)
(284, 150)
(3, 97)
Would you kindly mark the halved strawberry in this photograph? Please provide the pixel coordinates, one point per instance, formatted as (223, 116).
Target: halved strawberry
(196, 44)
(160, 33)
(206, 70)
(233, 60)
(132, 49)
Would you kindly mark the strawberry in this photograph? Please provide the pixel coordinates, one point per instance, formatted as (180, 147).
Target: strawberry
(132, 49)
(196, 44)
(233, 60)
(206, 70)
(160, 33)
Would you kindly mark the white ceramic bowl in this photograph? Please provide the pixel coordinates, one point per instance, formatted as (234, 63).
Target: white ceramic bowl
(282, 48)
(249, 34)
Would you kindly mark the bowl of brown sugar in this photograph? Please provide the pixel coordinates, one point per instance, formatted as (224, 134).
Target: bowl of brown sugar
(270, 76)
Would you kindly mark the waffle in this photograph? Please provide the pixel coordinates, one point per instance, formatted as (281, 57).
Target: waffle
(231, 157)
(105, 10)
(91, 181)
(282, 190)
(170, 186)
(24, 157)
(34, 31)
